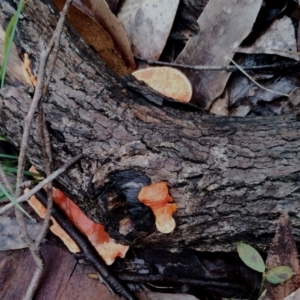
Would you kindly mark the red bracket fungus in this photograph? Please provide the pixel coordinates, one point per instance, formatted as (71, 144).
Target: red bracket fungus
(156, 196)
(108, 249)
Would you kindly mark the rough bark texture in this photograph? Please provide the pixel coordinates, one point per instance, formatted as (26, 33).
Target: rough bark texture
(230, 177)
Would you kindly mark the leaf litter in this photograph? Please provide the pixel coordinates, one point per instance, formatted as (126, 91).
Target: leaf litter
(221, 32)
(148, 24)
(223, 26)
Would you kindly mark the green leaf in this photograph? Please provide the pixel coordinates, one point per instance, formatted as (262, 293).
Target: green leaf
(8, 156)
(8, 41)
(279, 274)
(15, 203)
(1, 137)
(251, 257)
(15, 170)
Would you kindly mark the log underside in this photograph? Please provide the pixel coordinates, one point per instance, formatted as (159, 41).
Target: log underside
(230, 177)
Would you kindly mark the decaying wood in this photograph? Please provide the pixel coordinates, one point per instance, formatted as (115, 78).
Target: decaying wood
(66, 278)
(231, 177)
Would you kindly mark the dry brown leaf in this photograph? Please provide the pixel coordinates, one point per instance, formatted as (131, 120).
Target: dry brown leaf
(293, 103)
(10, 233)
(96, 37)
(223, 26)
(14, 68)
(148, 295)
(148, 24)
(293, 296)
(220, 105)
(99, 10)
(280, 36)
(241, 110)
(283, 252)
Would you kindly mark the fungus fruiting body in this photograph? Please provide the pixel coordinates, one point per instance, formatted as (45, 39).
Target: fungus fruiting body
(156, 196)
(167, 81)
(108, 249)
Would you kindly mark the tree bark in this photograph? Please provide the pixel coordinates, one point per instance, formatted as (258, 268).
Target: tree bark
(230, 177)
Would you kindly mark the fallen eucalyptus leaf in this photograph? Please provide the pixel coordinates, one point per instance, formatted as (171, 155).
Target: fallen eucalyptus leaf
(223, 26)
(99, 10)
(9, 232)
(96, 37)
(148, 24)
(283, 252)
(279, 39)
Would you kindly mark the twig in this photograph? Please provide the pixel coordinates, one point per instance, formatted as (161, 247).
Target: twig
(26, 184)
(24, 144)
(47, 156)
(216, 68)
(254, 81)
(5, 181)
(25, 197)
(88, 250)
(174, 280)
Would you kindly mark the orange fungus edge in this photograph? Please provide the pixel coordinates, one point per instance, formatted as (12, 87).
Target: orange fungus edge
(107, 248)
(156, 196)
(168, 81)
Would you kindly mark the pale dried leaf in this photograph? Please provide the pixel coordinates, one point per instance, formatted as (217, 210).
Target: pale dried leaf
(241, 110)
(220, 105)
(99, 10)
(239, 87)
(283, 85)
(293, 103)
(293, 296)
(223, 26)
(14, 69)
(148, 295)
(280, 36)
(148, 24)
(283, 252)
(9, 232)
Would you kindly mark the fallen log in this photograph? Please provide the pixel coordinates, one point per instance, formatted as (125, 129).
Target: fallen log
(230, 177)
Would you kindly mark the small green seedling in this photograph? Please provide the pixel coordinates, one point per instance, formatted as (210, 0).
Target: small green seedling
(8, 164)
(253, 260)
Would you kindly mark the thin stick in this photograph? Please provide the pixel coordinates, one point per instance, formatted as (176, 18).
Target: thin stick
(26, 197)
(89, 251)
(24, 144)
(5, 181)
(254, 81)
(214, 68)
(47, 155)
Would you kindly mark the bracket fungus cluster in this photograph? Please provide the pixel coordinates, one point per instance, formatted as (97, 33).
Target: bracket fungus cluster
(157, 197)
(108, 249)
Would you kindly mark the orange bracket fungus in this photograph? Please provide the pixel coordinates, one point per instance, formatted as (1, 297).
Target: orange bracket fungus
(156, 196)
(108, 249)
(167, 81)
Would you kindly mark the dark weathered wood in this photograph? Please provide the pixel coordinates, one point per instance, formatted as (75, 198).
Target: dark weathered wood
(231, 177)
(64, 278)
